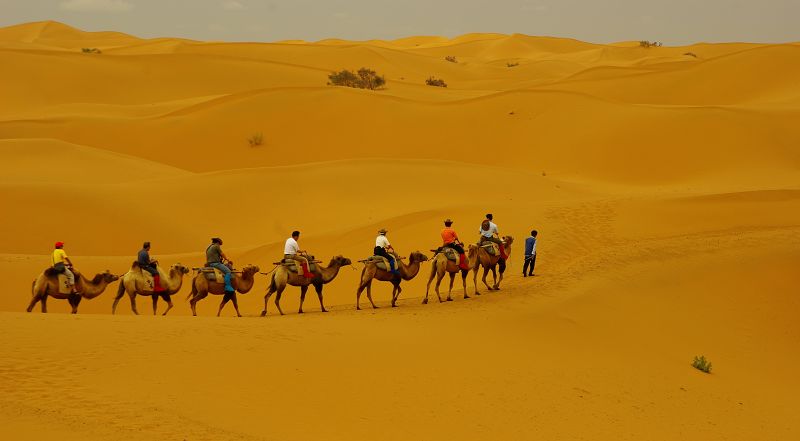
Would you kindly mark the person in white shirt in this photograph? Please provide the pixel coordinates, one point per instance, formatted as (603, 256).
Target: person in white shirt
(384, 249)
(291, 250)
(488, 231)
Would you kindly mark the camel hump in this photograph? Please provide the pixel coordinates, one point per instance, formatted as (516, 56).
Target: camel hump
(51, 272)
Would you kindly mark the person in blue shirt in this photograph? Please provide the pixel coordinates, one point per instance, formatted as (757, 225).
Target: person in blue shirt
(530, 254)
(149, 265)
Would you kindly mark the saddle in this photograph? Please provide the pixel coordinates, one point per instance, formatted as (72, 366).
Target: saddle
(212, 274)
(147, 278)
(491, 248)
(63, 288)
(448, 252)
(381, 262)
(294, 266)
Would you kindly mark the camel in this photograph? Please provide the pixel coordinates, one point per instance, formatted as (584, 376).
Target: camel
(371, 271)
(481, 258)
(282, 277)
(47, 285)
(442, 265)
(242, 283)
(133, 283)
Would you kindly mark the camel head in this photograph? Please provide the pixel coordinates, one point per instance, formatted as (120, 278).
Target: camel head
(249, 270)
(416, 256)
(180, 269)
(106, 277)
(340, 260)
(508, 240)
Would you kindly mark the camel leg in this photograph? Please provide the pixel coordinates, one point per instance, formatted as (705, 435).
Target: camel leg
(361, 287)
(225, 298)
(155, 303)
(266, 301)
(169, 304)
(464, 282)
(120, 293)
(396, 294)
(502, 270)
(33, 303)
(199, 295)
(428, 287)
(235, 302)
(450, 290)
(369, 294)
(439, 278)
(318, 288)
(133, 303)
(494, 277)
(483, 279)
(303, 291)
(278, 299)
(475, 280)
(75, 301)
(44, 303)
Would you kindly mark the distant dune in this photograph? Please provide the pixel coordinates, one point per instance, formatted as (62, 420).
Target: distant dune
(664, 182)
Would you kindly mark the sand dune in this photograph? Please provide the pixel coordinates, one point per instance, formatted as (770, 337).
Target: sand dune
(666, 188)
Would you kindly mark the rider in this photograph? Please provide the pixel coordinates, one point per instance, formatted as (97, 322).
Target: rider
(150, 265)
(62, 265)
(451, 240)
(489, 233)
(383, 248)
(291, 250)
(215, 258)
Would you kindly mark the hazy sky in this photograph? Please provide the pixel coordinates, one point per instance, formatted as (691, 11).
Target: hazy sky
(669, 21)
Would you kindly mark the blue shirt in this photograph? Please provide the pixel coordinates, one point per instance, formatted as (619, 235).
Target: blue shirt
(144, 258)
(530, 246)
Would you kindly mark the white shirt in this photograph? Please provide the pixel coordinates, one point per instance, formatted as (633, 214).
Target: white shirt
(291, 246)
(492, 230)
(382, 241)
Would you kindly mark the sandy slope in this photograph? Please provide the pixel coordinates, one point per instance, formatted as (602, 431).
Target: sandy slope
(665, 187)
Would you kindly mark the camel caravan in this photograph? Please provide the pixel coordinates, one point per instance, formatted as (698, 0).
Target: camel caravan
(297, 268)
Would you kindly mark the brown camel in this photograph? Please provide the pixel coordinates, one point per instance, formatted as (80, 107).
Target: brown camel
(242, 283)
(488, 262)
(442, 265)
(371, 271)
(283, 277)
(47, 285)
(133, 283)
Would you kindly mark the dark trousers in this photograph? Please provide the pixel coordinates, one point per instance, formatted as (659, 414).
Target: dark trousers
(380, 251)
(530, 261)
(459, 249)
(150, 269)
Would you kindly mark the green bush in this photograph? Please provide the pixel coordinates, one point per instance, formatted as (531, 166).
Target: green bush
(700, 363)
(362, 79)
(436, 82)
(649, 44)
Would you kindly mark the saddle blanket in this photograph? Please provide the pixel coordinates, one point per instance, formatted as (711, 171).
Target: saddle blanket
(213, 274)
(63, 288)
(292, 265)
(382, 262)
(491, 248)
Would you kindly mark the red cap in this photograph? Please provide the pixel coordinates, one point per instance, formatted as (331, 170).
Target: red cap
(59, 244)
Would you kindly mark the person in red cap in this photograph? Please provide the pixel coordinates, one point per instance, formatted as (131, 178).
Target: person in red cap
(62, 265)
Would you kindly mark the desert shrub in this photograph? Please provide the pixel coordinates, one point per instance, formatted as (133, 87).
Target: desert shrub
(700, 363)
(256, 140)
(451, 59)
(691, 54)
(437, 82)
(362, 79)
(91, 50)
(649, 44)
(512, 64)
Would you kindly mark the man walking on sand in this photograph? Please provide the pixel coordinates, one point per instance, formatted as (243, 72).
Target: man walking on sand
(530, 254)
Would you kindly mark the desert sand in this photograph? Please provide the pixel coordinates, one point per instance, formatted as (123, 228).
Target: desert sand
(664, 182)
